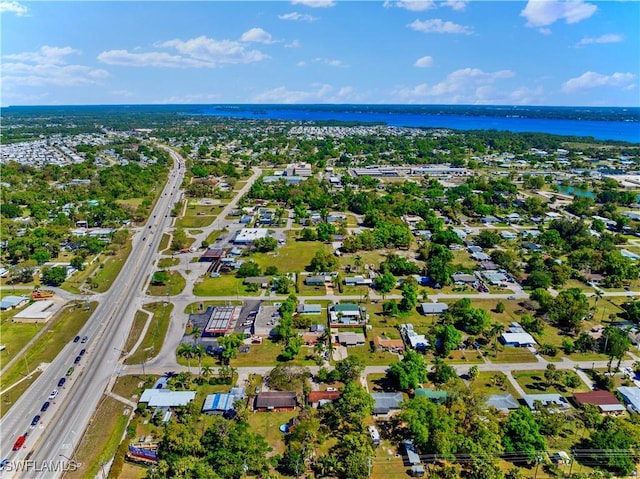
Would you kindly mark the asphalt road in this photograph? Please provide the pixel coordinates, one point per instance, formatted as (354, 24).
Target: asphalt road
(51, 444)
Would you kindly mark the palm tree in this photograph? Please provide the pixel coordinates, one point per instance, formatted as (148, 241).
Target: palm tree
(357, 262)
(186, 351)
(198, 351)
(195, 333)
(206, 371)
(496, 330)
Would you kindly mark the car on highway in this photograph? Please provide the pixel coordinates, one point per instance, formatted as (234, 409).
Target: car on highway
(61, 382)
(82, 351)
(35, 420)
(45, 406)
(84, 339)
(3, 464)
(77, 359)
(70, 371)
(19, 442)
(76, 339)
(53, 394)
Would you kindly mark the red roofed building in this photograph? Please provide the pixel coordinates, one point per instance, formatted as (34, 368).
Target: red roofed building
(316, 396)
(393, 345)
(606, 402)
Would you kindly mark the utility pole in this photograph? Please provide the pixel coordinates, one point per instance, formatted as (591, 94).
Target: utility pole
(369, 467)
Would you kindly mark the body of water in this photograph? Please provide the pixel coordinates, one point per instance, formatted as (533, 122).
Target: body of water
(617, 124)
(572, 190)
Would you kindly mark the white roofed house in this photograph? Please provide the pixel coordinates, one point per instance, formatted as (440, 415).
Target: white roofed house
(517, 337)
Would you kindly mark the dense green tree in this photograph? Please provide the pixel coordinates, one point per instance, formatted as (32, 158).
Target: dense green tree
(230, 345)
(323, 262)
(409, 372)
(616, 441)
(447, 339)
(384, 283)
(54, 276)
(248, 269)
(264, 245)
(350, 368)
(409, 295)
(569, 308)
(522, 434)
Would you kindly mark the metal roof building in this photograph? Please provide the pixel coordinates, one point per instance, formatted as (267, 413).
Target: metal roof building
(166, 397)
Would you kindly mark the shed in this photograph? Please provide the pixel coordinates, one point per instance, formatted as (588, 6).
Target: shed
(412, 456)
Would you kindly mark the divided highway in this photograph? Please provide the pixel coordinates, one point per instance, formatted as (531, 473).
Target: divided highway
(50, 445)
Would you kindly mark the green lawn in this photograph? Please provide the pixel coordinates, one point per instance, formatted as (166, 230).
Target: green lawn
(167, 262)
(153, 339)
(164, 242)
(195, 221)
(175, 285)
(139, 321)
(60, 330)
(226, 285)
(267, 424)
(293, 256)
(372, 357)
(266, 354)
(15, 336)
(486, 383)
(512, 355)
(533, 382)
(101, 439)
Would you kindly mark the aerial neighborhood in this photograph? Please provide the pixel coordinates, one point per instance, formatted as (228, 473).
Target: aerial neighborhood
(323, 301)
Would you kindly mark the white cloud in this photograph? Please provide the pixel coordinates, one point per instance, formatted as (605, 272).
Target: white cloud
(299, 17)
(607, 38)
(257, 35)
(319, 93)
(200, 52)
(314, 3)
(197, 98)
(423, 62)
(589, 80)
(48, 66)
(293, 44)
(436, 25)
(13, 7)
(416, 5)
(458, 5)
(469, 85)
(122, 93)
(330, 62)
(542, 13)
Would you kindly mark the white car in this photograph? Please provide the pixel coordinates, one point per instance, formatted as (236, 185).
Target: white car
(53, 394)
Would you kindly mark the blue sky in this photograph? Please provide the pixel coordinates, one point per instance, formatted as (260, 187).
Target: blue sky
(540, 52)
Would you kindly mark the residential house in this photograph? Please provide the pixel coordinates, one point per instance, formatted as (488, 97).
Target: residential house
(631, 397)
(358, 281)
(385, 403)
(438, 397)
(546, 401)
(391, 345)
(320, 398)
(605, 401)
(306, 308)
(417, 341)
(10, 302)
(345, 313)
(433, 308)
(320, 280)
(164, 398)
(490, 220)
(351, 339)
(219, 404)
(517, 337)
(464, 279)
(275, 401)
(503, 402)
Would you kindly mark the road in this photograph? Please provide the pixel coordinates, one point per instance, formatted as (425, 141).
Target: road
(52, 442)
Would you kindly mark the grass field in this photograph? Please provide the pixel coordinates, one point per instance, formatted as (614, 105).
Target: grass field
(267, 353)
(175, 285)
(267, 424)
(139, 321)
(167, 262)
(372, 357)
(153, 339)
(106, 275)
(294, 256)
(101, 438)
(226, 285)
(60, 331)
(15, 336)
(533, 382)
(195, 221)
(512, 355)
(164, 242)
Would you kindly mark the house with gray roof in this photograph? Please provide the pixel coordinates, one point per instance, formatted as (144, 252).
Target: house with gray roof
(433, 308)
(546, 400)
(384, 403)
(631, 397)
(503, 402)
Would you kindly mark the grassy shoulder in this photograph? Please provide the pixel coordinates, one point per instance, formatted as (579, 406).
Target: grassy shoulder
(155, 335)
(108, 271)
(60, 331)
(101, 438)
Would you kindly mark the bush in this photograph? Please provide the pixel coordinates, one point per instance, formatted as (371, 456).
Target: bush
(548, 349)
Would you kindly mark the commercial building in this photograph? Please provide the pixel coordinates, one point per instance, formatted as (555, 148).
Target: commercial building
(249, 235)
(220, 320)
(166, 397)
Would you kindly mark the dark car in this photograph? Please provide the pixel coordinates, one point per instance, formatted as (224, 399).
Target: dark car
(76, 339)
(82, 352)
(35, 421)
(61, 382)
(77, 359)
(45, 406)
